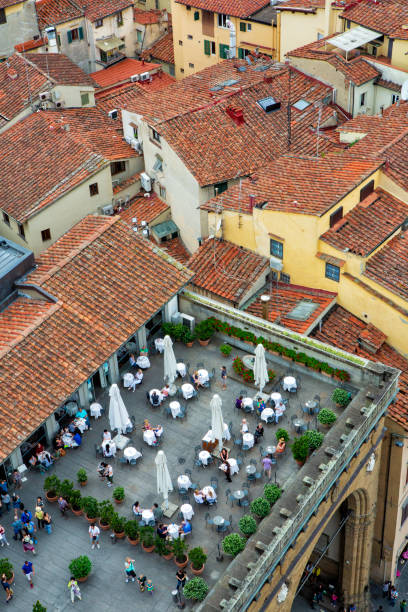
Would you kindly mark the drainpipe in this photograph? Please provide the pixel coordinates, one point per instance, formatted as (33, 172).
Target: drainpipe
(327, 10)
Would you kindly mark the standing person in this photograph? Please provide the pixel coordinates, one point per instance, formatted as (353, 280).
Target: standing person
(16, 476)
(142, 582)
(62, 505)
(228, 471)
(27, 542)
(94, 532)
(5, 500)
(6, 586)
(40, 502)
(108, 473)
(394, 596)
(3, 539)
(403, 605)
(17, 503)
(74, 589)
(28, 571)
(149, 586)
(386, 588)
(224, 377)
(17, 527)
(39, 515)
(130, 569)
(267, 468)
(181, 579)
(47, 522)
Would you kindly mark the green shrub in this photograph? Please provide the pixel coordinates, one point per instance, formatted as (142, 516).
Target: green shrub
(233, 544)
(38, 607)
(51, 485)
(226, 349)
(162, 547)
(65, 489)
(90, 506)
(6, 568)
(196, 589)
(300, 449)
(282, 433)
(326, 416)
(82, 475)
(118, 493)
(272, 493)
(117, 523)
(341, 397)
(247, 524)
(314, 438)
(260, 507)
(197, 557)
(147, 536)
(204, 330)
(106, 511)
(180, 550)
(80, 567)
(132, 529)
(75, 499)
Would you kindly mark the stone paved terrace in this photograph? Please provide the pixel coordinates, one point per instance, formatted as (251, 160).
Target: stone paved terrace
(106, 588)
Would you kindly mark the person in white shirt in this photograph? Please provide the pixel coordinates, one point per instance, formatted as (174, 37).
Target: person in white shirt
(244, 427)
(279, 408)
(198, 496)
(109, 449)
(107, 435)
(94, 532)
(138, 377)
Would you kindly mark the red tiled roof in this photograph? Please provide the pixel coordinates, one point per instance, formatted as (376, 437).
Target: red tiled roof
(60, 69)
(283, 300)
(226, 270)
(108, 282)
(373, 336)
(31, 44)
(74, 153)
(301, 4)
(234, 8)
(126, 183)
(6, 3)
(147, 17)
(298, 184)
(160, 81)
(144, 209)
(365, 227)
(95, 9)
(386, 16)
(396, 156)
(22, 314)
(388, 85)
(357, 69)
(389, 266)
(176, 249)
(52, 12)
(118, 98)
(121, 72)
(343, 330)
(162, 50)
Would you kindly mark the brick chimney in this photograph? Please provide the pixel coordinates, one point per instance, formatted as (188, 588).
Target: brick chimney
(265, 306)
(236, 113)
(251, 201)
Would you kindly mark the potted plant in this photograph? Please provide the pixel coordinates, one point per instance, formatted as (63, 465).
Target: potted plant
(187, 337)
(118, 495)
(147, 537)
(51, 487)
(117, 524)
(247, 525)
(7, 568)
(326, 417)
(300, 450)
(80, 568)
(90, 506)
(233, 544)
(65, 489)
(75, 501)
(314, 438)
(132, 532)
(163, 548)
(272, 493)
(180, 552)
(106, 511)
(204, 331)
(226, 349)
(282, 433)
(341, 397)
(198, 558)
(196, 589)
(260, 507)
(82, 477)
(38, 607)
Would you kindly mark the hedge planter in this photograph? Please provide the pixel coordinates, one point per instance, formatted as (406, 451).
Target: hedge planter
(133, 542)
(147, 538)
(196, 589)
(181, 564)
(198, 559)
(103, 526)
(76, 511)
(233, 544)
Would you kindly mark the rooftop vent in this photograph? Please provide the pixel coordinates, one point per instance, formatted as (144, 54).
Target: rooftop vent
(217, 87)
(301, 104)
(241, 68)
(236, 114)
(269, 104)
(303, 310)
(229, 82)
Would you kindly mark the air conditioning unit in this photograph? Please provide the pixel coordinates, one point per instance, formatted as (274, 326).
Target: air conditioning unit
(145, 76)
(60, 104)
(188, 321)
(45, 95)
(136, 144)
(113, 114)
(107, 210)
(134, 78)
(128, 139)
(275, 263)
(176, 318)
(146, 181)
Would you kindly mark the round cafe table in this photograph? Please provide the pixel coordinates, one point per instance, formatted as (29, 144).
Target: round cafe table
(183, 482)
(147, 515)
(289, 382)
(311, 406)
(95, 410)
(175, 409)
(266, 413)
(149, 437)
(143, 362)
(208, 489)
(181, 369)
(250, 469)
(248, 439)
(276, 397)
(173, 531)
(187, 512)
(204, 456)
(238, 495)
(233, 465)
(271, 450)
(248, 402)
(203, 375)
(187, 390)
(218, 521)
(131, 453)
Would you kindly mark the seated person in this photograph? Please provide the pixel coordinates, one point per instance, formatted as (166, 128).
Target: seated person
(210, 497)
(224, 454)
(154, 399)
(198, 496)
(132, 361)
(82, 414)
(260, 406)
(165, 391)
(157, 512)
(162, 531)
(238, 402)
(58, 444)
(138, 377)
(185, 528)
(137, 510)
(244, 427)
(259, 432)
(33, 461)
(196, 380)
(39, 448)
(146, 425)
(106, 435)
(280, 447)
(101, 469)
(77, 437)
(158, 430)
(71, 428)
(45, 459)
(109, 449)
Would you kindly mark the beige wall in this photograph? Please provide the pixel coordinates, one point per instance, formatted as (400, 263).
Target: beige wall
(298, 29)
(125, 31)
(72, 95)
(153, 4)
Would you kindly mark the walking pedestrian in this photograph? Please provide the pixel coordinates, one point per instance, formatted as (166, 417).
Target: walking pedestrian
(130, 569)
(62, 505)
(6, 586)
(94, 532)
(47, 522)
(394, 596)
(28, 571)
(16, 501)
(149, 586)
(28, 542)
(403, 605)
(5, 500)
(386, 588)
(267, 468)
(142, 582)
(224, 377)
(108, 473)
(228, 471)
(16, 476)
(3, 538)
(40, 502)
(181, 579)
(39, 515)
(74, 589)
(26, 517)
(17, 527)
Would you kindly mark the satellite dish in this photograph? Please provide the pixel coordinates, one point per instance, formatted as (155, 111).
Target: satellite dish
(404, 90)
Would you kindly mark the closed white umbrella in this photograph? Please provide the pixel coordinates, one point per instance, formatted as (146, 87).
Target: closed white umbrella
(118, 415)
(164, 484)
(170, 363)
(217, 421)
(260, 369)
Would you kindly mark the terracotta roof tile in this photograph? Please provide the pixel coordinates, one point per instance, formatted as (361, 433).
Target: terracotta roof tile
(386, 16)
(52, 12)
(176, 249)
(60, 69)
(364, 228)
(389, 266)
(121, 72)
(6, 3)
(388, 85)
(396, 156)
(227, 270)
(144, 209)
(234, 8)
(283, 300)
(31, 44)
(119, 98)
(76, 143)
(162, 50)
(343, 330)
(301, 4)
(22, 314)
(126, 183)
(109, 282)
(373, 336)
(95, 9)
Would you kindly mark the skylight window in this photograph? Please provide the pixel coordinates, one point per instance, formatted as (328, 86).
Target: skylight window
(269, 104)
(301, 104)
(303, 310)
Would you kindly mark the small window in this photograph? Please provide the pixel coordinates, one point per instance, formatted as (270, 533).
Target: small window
(336, 216)
(366, 190)
(118, 167)
(84, 99)
(139, 35)
(155, 135)
(180, 43)
(162, 192)
(189, 37)
(301, 104)
(224, 51)
(348, 22)
(394, 98)
(249, 27)
(6, 218)
(21, 231)
(285, 278)
(404, 512)
(363, 98)
(213, 48)
(3, 18)
(135, 132)
(75, 34)
(190, 65)
(158, 164)
(196, 15)
(188, 8)
(98, 23)
(242, 26)
(332, 272)
(276, 248)
(222, 20)
(46, 235)
(220, 187)
(119, 19)
(93, 189)
(182, 70)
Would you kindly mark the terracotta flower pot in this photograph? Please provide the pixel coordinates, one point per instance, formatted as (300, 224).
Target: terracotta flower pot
(189, 344)
(103, 526)
(118, 501)
(182, 564)
(83, 579)
(120, 535)
(51, 498)
(197, 572)
(77, 512)
(82, 484)
(204, 342)
(168, 557)
(92, 521)
(148, 549)
(133, 542)
(300, 463)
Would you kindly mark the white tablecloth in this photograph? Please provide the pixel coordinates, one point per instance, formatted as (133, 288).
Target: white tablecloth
(121, 441)
(149, 437)
(67, 439)
(203, 376)
(147, 515)
(128, 380)
(266, 412)
(187, 390)
(159, 344)
(233, 465)
(183, 482)
(204, 456)
(181, 369)
(276, 397)
(175, 408)
(95, 410)
(289, 382)
(248, 439)
(248, 401)
(187, 512)
(173, 531)
(207, 490)
(131, 453)
(143, 362)
(81, 424)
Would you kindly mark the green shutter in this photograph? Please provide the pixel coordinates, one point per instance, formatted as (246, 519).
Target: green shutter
(242, 26)
(207, 47)
(196, 16)
(69, 35)
(223, 51)
(241, 53)
(81, 33)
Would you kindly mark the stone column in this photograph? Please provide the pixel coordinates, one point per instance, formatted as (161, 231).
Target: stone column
(16, 458)
(83, 395)
(114, 368)
(51, 428)
(141, 337)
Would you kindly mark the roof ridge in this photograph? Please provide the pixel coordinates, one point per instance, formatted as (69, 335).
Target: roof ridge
(394, 141)
(33, 65)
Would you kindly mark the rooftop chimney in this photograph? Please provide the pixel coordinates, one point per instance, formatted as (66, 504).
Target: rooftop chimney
(251, 202)
(236, 114)
(265, 306)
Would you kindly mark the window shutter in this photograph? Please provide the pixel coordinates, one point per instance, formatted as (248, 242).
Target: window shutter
(207, 47)
(196, 16)
(242, 26)
(69, 35)
(81, 33)
(223, 51)
(241, 53)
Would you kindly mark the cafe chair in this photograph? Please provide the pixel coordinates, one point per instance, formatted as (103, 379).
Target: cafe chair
(214, 482)
(238, 442)
(248, 409)
(123, 460)
(133, 461)
(270, 420)
(98, 451)
(208, 520)
(245, 447)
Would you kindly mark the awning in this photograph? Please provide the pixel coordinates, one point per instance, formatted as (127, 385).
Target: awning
(356, 37)
(107, 44)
